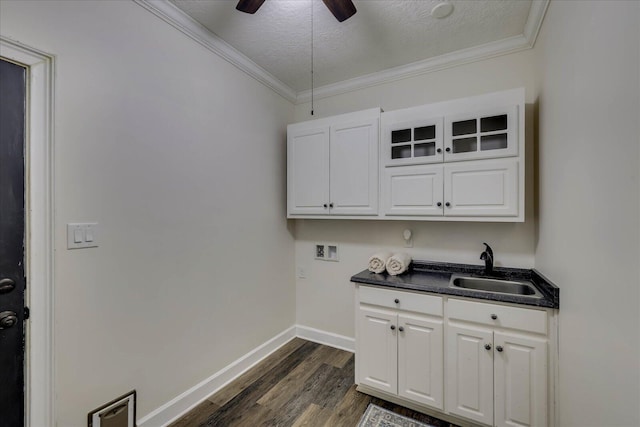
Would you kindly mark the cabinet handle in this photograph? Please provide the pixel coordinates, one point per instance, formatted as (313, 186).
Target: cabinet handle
(494, 316)
(487, 346)
(393, 327)
(499, 348)
(401, 329)
(439, 204)
(439, 150)
(330, 205)
(447, 204)
(448, 149)
(325, 206)
(397, 301)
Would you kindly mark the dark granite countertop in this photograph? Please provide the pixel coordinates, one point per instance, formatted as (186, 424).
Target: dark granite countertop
(428, 276)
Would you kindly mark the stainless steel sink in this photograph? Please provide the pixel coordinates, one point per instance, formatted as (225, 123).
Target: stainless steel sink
(485, 284)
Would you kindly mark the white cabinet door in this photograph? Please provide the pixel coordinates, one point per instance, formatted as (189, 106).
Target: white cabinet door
(377, 349)
(416, 140)
(520, 380)
(482, 188)
(354, 168)
(488, 133)
(470, 373)
(308, 170)
(413, 190)
(420, 360)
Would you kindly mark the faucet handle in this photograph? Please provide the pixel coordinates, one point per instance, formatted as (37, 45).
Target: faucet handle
(488, 249)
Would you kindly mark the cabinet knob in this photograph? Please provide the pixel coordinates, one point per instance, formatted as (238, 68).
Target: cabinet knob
(447, 204)
(325, 206)
(448, 149)
(401, 329)
(487, 346)
(439, 204)
(494, 316)
(393, 327)
(439, 150)
(499, 348)
(330, 205)
(397, 301)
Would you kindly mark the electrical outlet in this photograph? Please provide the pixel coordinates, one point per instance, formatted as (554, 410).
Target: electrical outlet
(320, 251)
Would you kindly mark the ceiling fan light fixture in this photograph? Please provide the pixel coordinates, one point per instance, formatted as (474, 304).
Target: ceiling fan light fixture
(249, 6)
(442, 10)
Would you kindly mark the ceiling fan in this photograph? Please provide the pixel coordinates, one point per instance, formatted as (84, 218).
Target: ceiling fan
(341, 9)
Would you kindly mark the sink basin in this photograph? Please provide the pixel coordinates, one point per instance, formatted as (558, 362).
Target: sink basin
(485, 284)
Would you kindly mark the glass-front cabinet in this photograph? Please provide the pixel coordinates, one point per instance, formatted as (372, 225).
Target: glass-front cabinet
(480, 135)
(414, 142)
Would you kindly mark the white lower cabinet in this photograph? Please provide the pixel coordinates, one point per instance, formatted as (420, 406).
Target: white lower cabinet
(496, 369)
(400, 352)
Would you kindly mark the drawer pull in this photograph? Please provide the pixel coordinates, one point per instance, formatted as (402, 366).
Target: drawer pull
(494, 316)
(487, 346)
(397, 301)
(499, 348)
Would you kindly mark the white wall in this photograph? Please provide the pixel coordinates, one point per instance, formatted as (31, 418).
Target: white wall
(181, 159)
(588, 70)
(324, 299)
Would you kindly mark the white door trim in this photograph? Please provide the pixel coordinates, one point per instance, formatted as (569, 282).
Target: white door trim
(39, 375)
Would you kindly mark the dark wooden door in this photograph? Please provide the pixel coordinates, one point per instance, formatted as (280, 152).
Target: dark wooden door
(12, 238)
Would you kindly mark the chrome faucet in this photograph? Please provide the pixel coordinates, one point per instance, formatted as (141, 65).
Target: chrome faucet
(487, 257)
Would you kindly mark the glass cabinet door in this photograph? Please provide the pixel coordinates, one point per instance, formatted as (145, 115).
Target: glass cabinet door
(484, 134)
(414, 142)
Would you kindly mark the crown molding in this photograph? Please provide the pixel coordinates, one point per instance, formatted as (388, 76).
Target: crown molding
(441, 62)
(534, 21)
(464, 56)
(171, 14)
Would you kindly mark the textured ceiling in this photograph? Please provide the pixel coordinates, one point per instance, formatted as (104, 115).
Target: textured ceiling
(381, 35)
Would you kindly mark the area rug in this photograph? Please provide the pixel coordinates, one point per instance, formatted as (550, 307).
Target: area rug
(376, 416)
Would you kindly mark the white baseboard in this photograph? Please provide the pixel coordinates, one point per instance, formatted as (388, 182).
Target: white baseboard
(326, 338)
(188, 400)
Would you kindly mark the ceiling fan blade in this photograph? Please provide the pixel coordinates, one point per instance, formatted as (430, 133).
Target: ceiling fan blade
(249, 6)
(341, 9)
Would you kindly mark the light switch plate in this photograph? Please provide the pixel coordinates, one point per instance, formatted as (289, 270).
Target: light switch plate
(82, 235)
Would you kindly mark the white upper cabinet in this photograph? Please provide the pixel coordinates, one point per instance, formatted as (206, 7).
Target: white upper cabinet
(332, 166)
(460, 160)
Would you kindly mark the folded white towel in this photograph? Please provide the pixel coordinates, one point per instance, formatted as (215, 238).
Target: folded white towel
(398, 263)
(378, 261)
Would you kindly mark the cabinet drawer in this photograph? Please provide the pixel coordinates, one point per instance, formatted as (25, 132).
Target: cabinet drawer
(410, 301)
(506, 317)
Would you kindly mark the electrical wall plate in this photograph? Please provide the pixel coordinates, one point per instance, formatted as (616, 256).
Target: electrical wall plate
(82, 235)
(326, 252)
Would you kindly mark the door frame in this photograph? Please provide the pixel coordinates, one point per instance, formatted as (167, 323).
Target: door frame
(39, 224)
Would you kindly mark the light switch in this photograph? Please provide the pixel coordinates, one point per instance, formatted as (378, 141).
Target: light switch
(82, 235)
(88, 234)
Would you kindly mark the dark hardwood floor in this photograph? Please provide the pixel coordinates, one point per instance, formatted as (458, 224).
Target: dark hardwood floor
(301, 384)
